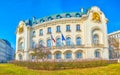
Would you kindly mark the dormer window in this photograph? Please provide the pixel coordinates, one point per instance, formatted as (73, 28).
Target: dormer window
(68, 15)
(77, 15)
(50, 18)
(58, 17)
(41, 21)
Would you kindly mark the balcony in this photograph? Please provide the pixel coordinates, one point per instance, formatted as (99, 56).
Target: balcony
(97, 45)
(67, 47)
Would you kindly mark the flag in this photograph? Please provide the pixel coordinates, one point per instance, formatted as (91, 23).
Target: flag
(63, 39)
(52, 38)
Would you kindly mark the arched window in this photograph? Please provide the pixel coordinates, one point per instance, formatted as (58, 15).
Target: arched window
(68, 41)
(33, 45)
(58, 42)
(41, 42)
(49, 56)
(21, 45)
(20, 57)
(78, 54)
(95, 39)
(34, 33)
(58, 55)
(97, 54)
(78, 41)
(49, 43)
(68, 15)
(68, 55)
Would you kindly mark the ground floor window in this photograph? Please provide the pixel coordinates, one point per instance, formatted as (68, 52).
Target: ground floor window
(79, 55)
(58, 56)
(68, 55)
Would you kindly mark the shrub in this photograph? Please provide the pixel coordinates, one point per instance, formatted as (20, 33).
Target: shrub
(53, 65)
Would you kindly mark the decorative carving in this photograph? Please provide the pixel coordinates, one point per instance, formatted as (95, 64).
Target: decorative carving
(20, 29)
(96, 17)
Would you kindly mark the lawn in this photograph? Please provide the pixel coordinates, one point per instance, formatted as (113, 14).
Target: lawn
(10, 69)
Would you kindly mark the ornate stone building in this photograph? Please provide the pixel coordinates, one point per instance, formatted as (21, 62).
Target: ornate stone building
(76, 35)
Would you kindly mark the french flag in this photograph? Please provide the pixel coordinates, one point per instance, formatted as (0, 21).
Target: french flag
(53, 39)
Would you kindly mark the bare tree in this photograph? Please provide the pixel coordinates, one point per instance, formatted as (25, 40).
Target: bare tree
(114, 45)
(40, 52)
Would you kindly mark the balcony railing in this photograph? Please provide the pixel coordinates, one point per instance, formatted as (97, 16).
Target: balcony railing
(97, 45)
(67, 47)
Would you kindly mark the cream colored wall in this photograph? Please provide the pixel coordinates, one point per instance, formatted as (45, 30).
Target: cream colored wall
(86, 26)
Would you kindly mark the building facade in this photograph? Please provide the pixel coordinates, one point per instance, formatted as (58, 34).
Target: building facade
(6, 51)
(114, 44)
(76, 35)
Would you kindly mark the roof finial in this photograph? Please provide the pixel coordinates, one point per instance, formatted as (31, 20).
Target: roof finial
(82, 10)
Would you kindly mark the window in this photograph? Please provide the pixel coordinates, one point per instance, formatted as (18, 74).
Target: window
(77, 15)
(58, 42)
(33, 45)
(49, 30)
(77, 27)
(58, 17)
(58, 56)
(78, 41)
(68, 55)
(41, 42)
(95, 39)
(41, 21)
(49, 56)
(68, 28)
(79, 55)
(58, 29)
(34, 33)
(21, 45)
(68, 15)
(20, 57)
(49, 43)
(97, 54)
(68, 41)
(50, 18)
(41, 31)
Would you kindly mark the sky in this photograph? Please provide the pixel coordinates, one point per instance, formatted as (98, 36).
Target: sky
(12, 11)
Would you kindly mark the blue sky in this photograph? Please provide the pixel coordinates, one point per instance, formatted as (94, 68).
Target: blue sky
(12, 11)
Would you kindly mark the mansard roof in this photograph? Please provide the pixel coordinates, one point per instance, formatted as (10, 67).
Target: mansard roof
(53, 17)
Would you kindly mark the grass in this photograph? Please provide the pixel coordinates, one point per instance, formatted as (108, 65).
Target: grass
(10, 69)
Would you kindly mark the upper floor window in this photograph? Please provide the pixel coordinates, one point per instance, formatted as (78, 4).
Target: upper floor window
(22, 45)
(68, 41)
(78, 41)
(58, 42)
(58, 29)
(68, 15)
(41, 32)
(34, 33)
(95, 39)
(33, 45)
(77, 27)
(49, 43)
(49, 30)
(41, 42)
(68, 28)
